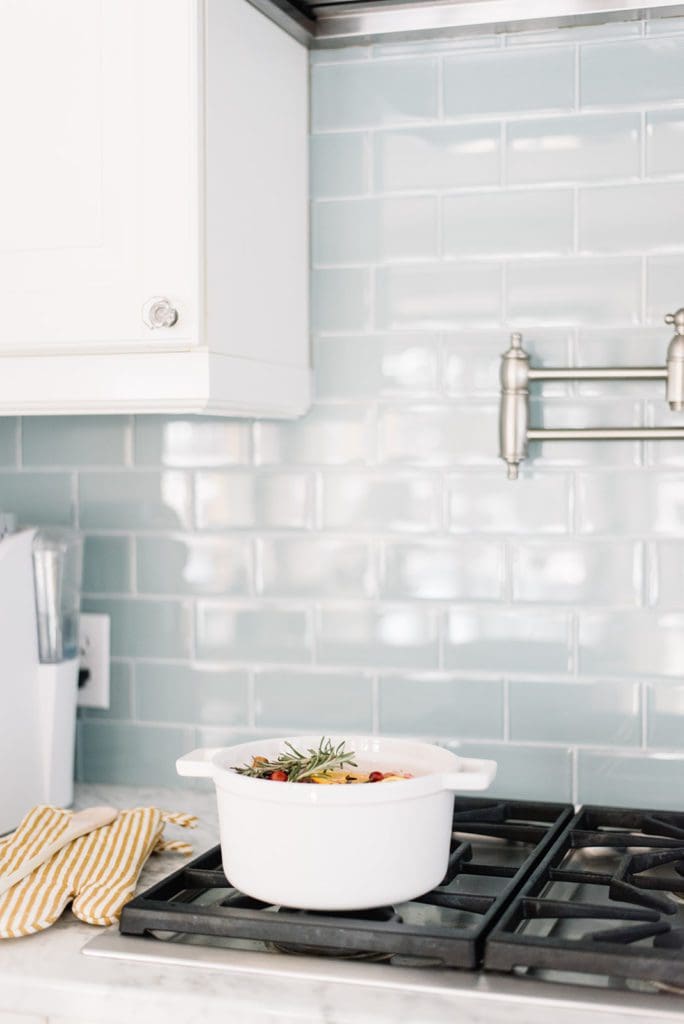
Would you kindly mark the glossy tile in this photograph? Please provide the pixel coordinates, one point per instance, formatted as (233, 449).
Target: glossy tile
(665, 715)
(339, 55)
(242, 500)
(437, 296)
(74, 440)
(666, 582)
(8, 441)
(609, 411)
(663, 454)
(509, 81)
(567, 455)
(215, 736)
(556, 712)
(641, 217)
(509, 223)
(579, 147)
(129, 754)
(373, 94)
(599, 573)
(630, 780)
(315, 567)
(485, 502)
(663, 288)
(401, 636)
(665, 141)
(406, 503)
(135, 500)
(37, 499)
(340, 300)
(663, 24)
(120, 695)
(525, 772)
(351, 231)
(633, 71)
(438, 435)
(621, 346)
(338, 164)
(191, 441)
(507, 640)
(439, 156)
(253, 632)
(629, 643)
(143, 628)
(577, 33)
(458, 570)
(324, 702)
(328, 435)
(107, 565)
(187, 693)
(436, 705)
(631, 503)
(438, 45)
(564, 291)
(194, 565)
(376, 366)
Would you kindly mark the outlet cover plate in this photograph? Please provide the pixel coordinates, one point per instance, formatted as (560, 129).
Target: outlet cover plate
(94, 657)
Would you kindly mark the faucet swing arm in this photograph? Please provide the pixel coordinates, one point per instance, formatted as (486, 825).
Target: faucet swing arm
(516, 373)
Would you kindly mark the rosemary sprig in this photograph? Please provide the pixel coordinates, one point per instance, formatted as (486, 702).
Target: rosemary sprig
(300, 766)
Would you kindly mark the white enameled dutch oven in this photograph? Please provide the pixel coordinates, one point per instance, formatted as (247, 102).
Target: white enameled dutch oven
(338, 847)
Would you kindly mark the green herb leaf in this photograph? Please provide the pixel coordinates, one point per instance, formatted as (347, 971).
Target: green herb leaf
(316, 761)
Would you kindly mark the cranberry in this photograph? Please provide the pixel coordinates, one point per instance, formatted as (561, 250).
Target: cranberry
(279, 776)
(376, 777)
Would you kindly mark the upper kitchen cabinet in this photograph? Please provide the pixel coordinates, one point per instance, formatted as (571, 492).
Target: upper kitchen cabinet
(153, 209)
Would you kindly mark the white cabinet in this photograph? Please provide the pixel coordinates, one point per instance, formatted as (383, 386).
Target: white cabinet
(152, 150)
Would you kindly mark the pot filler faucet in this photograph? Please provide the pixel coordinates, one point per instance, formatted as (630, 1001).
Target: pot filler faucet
(514, 416)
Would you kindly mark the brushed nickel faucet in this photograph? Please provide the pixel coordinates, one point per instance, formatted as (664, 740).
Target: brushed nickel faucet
(516, 373)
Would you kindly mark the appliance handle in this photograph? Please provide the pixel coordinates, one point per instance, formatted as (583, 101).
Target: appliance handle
(473, 774)
(198, 764)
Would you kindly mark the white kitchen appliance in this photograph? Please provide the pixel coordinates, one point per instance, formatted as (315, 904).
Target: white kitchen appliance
(40, 578)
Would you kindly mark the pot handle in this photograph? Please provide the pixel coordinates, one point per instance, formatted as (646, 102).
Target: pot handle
(198, 764)
(474, 774)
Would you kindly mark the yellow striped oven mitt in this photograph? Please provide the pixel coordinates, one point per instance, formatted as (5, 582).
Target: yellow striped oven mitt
(97, 871)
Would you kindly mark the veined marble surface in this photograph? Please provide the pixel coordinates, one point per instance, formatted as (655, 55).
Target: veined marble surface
(44, 979)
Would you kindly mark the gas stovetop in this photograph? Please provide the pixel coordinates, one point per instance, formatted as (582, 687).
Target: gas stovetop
(532, 888)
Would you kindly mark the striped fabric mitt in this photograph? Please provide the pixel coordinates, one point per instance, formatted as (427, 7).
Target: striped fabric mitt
(97, 873)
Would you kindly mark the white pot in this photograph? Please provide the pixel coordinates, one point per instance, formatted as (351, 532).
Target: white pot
(338, 847)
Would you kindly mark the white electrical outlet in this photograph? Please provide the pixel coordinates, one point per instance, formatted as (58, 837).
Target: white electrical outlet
(94, 658)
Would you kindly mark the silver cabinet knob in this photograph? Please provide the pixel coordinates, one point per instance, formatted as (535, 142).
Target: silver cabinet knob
(159, 312)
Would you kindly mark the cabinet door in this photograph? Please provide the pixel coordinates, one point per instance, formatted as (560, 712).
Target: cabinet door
(98, 176)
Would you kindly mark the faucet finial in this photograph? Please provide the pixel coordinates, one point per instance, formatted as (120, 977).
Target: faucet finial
(675, 362)
(514, 413)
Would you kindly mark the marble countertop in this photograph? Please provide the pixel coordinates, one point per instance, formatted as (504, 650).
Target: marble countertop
(46, 978)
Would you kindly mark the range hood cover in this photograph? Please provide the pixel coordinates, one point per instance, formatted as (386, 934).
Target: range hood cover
(344, 22)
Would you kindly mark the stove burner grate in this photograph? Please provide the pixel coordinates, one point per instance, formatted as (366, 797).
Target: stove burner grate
(495, 846)
(604, 900)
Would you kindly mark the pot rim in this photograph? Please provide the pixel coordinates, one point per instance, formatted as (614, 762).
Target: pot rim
(451, 772)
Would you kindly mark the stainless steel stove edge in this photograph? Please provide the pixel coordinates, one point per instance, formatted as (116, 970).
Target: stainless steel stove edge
(605, 1005)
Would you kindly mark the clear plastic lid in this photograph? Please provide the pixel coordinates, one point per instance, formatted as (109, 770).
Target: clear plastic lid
(57, 571)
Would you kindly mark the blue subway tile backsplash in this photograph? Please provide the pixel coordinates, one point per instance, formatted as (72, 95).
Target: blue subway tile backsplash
(369, 567)
(509, 82)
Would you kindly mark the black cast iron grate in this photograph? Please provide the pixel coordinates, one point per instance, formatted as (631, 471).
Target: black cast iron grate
(495, 846)
(605, 900)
